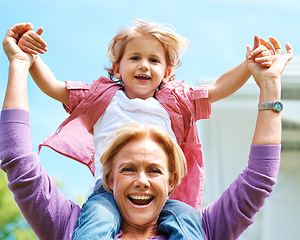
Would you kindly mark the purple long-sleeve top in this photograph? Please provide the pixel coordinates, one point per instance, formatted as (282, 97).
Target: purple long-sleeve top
(52, 216)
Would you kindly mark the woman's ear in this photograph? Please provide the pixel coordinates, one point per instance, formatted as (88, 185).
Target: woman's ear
(116, 69)
(111, 182)
(172, 180)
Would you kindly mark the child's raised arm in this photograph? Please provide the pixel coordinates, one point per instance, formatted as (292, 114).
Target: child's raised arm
(235, 78)
(32, 42)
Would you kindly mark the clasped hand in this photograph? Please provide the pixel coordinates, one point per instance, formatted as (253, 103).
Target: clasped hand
(10, 44)
(271, 76)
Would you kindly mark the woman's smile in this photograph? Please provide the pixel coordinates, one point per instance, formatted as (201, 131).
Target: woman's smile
(141, 200)
(140, 181)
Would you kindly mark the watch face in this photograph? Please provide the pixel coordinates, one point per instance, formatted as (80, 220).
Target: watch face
(278, 106)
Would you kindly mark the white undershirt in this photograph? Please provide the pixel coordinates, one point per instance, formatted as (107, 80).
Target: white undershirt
(120, 111)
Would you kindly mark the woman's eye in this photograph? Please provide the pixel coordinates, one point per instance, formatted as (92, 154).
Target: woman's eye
(127, 169)
(155, 170)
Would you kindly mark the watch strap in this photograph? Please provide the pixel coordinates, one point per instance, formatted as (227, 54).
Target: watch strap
(276, 106)
(265, 105)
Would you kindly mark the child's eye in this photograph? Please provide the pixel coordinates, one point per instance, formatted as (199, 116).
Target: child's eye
(154, 60)
(134, 58)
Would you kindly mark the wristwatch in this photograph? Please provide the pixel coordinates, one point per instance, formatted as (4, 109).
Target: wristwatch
(276, 106)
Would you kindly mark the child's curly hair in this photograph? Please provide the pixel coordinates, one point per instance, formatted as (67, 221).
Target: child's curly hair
(174, 44)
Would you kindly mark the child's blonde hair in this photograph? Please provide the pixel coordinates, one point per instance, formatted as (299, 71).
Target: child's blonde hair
(174, 44)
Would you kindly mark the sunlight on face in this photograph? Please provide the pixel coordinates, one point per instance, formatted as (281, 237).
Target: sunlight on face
(140, 181)
(142, 67)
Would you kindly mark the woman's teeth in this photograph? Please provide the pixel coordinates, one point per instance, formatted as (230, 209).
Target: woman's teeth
(140, 199)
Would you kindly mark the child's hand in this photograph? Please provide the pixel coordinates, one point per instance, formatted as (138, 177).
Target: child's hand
(262, 52)
(31, 42)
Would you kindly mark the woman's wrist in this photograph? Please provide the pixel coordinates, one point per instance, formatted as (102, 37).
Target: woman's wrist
(16, 91)
(270, 90)
(20, 64)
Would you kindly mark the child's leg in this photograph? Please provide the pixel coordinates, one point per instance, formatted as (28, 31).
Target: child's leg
(180, 221)
(99, 219)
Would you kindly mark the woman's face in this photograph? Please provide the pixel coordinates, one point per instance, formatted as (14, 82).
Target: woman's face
(140, 181)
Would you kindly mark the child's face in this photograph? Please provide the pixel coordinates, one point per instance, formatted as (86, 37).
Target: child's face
(143, 67)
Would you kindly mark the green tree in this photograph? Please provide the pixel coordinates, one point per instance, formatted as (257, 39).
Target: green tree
(12, 223)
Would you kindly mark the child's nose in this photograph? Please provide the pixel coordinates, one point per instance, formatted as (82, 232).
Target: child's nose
(144, 65)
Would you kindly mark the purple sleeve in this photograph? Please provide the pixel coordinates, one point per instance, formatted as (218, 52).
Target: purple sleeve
(48, 212)
(234, 211)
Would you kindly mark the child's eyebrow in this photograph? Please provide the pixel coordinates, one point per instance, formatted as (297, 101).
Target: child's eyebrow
(134, 53)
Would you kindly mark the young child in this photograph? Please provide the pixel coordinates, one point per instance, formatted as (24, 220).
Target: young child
(143, 58)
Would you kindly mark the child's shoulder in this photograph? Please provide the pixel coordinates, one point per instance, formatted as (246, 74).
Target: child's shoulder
(174, 84)
(105, 80)
(101, 82)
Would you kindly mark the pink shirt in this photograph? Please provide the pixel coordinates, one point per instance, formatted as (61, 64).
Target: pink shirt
(185, 105)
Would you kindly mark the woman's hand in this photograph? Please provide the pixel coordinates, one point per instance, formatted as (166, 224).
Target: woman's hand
(16, 92)
(269, 79)
(10, 44)
(268, 124)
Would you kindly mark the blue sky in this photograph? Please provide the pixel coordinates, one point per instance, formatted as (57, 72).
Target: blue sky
(78, 33)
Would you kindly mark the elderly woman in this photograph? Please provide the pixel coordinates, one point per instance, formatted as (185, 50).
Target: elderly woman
(142, 164)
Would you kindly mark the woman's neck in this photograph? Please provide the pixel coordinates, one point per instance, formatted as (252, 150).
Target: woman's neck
(131, 231)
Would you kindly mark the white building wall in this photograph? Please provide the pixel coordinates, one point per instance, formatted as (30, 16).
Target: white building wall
(226, 139)
(281, 215)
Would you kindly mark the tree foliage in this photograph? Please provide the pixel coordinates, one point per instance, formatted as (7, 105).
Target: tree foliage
(13, 226)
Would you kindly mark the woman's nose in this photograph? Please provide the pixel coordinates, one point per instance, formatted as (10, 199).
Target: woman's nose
(142, 180)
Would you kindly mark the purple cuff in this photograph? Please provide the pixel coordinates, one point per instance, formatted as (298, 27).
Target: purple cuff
(265, 159)
(15, 115)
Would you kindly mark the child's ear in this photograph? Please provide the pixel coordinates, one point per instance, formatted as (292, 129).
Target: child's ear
(167, 75)
(116, 69)
(168, 72)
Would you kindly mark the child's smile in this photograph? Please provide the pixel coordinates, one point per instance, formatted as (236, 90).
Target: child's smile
(142, 77)
(142, 67)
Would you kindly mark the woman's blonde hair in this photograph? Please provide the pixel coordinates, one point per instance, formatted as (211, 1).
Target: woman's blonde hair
(174, 44)
(130, 131)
